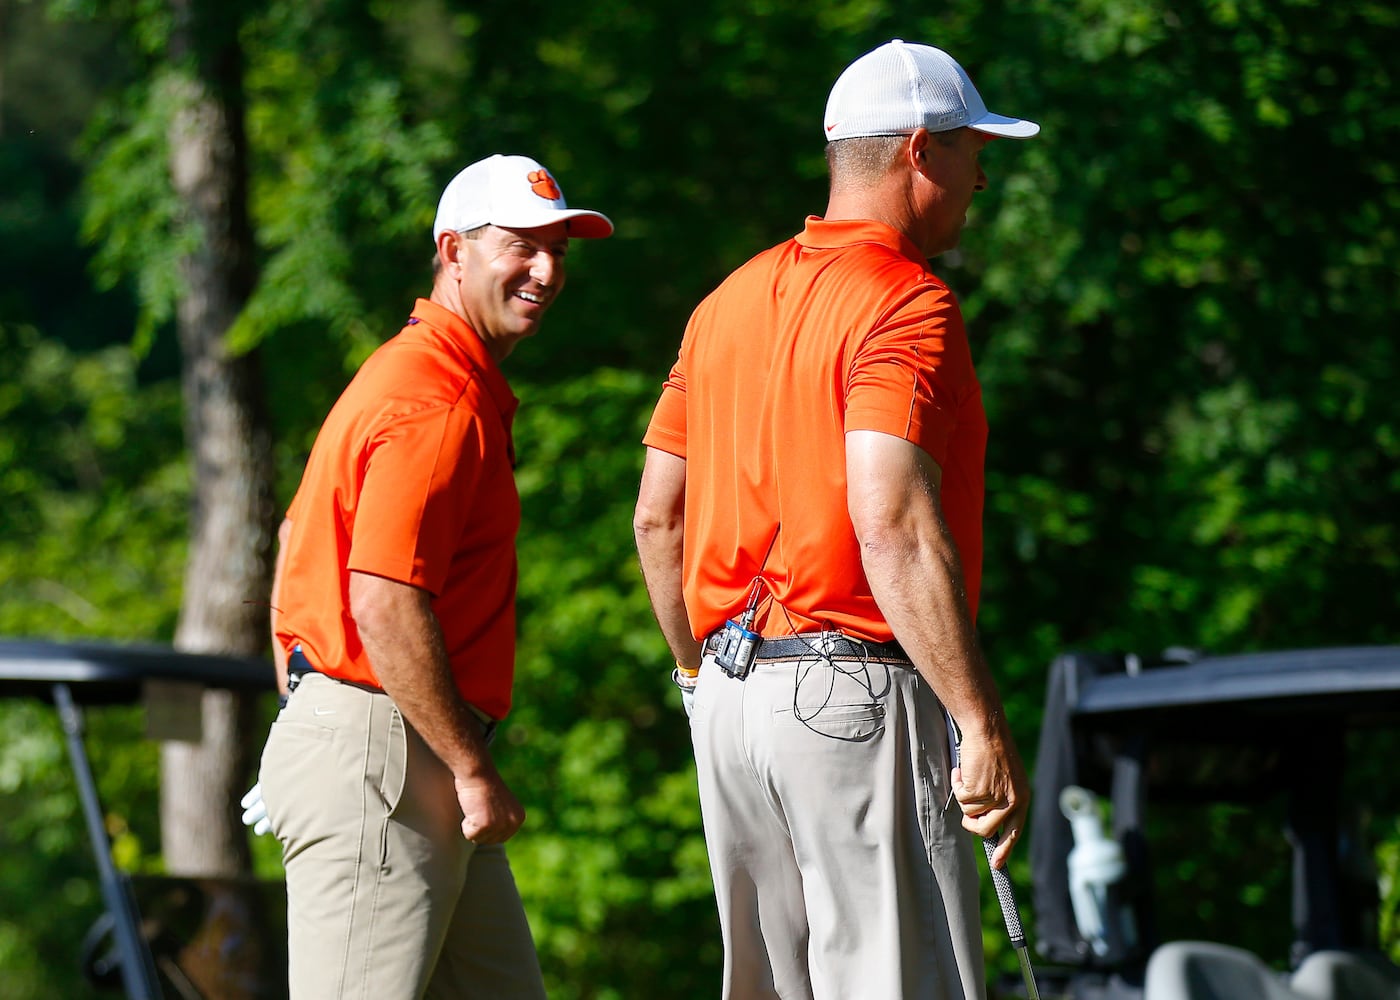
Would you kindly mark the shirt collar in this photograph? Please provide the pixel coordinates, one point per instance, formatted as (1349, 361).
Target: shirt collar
(456, 329)
(821, 234)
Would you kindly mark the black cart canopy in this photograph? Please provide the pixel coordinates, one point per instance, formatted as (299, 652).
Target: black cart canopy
(1358, 682)
(111, 673)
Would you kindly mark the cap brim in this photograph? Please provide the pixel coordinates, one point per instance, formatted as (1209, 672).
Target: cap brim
(581, 222)
(1005, 128)
(588, 225)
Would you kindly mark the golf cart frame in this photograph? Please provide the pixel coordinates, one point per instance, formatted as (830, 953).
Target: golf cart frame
(74, 677)
(1195, 729)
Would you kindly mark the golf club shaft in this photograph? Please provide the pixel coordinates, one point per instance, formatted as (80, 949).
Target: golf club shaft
(1007, 898)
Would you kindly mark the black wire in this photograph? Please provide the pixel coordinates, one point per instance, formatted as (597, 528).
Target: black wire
(860, 674)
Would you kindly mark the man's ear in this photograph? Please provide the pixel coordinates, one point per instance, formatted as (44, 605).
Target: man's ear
(449, 249)
(917, 149)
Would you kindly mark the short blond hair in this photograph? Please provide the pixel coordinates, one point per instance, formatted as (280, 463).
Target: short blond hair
(862, 160)
(865, 159)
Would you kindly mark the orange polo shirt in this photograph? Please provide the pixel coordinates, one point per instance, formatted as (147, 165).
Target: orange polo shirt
(841, 328)
(410, 479)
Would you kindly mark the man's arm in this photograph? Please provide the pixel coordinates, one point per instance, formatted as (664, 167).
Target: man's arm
(916, 579)
(659, 527)
(403, 639)
(279, 655)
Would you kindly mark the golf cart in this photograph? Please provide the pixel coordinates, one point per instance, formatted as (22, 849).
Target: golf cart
(156, 934)
(1271, 736)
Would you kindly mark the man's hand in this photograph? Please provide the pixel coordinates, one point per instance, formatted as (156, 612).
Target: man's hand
(255, 810)
(490, 811)
(992, 789)
(687, 685)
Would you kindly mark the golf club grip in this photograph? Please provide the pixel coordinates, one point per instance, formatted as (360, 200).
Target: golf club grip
(1005, 896)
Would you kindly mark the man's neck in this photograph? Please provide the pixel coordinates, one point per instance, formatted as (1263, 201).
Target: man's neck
(888, 203)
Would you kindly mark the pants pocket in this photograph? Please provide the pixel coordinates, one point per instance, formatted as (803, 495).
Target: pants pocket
(294, 750)
(391, 785)
(851, 723)
(838, 700)
(331, 770)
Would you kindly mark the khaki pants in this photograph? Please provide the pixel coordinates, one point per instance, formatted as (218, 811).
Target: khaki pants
(841, 871)
(385, 898)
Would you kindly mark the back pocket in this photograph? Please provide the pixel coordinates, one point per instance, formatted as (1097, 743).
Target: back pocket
(853, 723)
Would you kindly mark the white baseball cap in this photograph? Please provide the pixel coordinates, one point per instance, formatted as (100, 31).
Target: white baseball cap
(900, 87)
(515, 192)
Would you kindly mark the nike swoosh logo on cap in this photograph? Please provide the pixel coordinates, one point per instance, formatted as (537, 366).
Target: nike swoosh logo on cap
(832, 126)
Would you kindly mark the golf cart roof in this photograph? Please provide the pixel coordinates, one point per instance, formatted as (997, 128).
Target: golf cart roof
(1206, 727)
(112, 673)
(1362, 680)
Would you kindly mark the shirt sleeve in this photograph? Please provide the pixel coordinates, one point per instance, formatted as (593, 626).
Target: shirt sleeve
(911, 372)
(422, 470)
(666, 432)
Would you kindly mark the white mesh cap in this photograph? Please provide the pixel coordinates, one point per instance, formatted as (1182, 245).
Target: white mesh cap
(900, 87)
(515, 192)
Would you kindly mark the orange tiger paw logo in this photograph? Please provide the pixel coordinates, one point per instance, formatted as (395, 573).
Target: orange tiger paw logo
(543, 185)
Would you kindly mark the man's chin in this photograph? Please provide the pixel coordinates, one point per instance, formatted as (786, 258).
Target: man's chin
(529, 314)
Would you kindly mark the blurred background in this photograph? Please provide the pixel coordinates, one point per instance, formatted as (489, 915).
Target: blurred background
(1182, 301)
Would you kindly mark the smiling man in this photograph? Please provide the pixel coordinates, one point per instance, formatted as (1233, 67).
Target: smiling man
(394, 626)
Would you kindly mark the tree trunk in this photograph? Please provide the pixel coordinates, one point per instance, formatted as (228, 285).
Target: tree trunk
(228, 573)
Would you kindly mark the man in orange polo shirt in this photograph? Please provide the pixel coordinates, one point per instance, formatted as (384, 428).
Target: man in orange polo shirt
(394, 622)
(809, 526)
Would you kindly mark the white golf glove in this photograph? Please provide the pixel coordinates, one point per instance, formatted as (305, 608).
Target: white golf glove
(255, 810)
(687, 686)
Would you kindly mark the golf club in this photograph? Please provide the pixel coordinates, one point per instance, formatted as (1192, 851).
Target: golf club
(1007, 898)
(1001, 881)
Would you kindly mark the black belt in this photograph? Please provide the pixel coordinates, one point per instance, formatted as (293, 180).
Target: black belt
(299, 666)
(821, 644)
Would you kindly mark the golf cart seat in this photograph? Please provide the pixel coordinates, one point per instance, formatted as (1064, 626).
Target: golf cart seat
(1346, 975)
(1204, 970)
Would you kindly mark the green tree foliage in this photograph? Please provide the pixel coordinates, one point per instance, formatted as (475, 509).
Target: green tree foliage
(1180, 296)
(94, 488)
(598, 745)
(1187, 291)
(1206, 334)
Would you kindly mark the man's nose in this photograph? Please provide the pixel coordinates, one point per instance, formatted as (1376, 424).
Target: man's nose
(546, 267)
